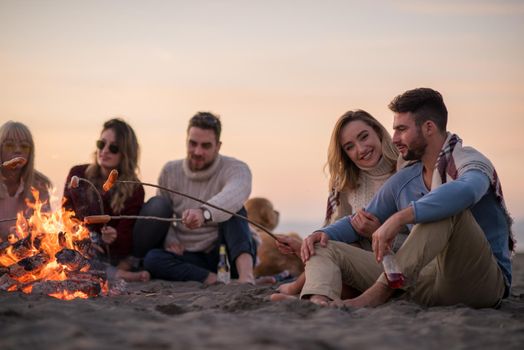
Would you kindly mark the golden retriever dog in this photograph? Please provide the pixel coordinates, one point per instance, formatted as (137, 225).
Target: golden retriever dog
(270, 260)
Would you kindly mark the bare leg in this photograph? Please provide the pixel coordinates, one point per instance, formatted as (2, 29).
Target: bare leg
(295, 287)
(244, 263)
(128, 276)
(376, 295)
(211, 279)
(349, 292)
(281, 297)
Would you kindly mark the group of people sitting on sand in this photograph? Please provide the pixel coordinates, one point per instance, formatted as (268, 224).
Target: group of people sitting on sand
(419, 195)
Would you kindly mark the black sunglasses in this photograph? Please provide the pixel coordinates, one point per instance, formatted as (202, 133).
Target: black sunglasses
(100, 144)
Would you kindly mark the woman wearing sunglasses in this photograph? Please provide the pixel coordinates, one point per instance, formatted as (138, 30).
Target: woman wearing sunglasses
(117, 148)
(16, 181)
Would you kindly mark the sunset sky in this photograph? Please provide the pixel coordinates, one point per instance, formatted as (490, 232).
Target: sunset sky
(279, 73)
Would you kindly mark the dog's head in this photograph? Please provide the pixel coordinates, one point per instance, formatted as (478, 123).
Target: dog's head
(261, 211)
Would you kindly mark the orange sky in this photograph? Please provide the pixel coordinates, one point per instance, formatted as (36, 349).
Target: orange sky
(279, 74)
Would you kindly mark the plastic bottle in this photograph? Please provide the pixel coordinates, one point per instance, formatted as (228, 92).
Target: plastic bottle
(393, 273)
(223, 270)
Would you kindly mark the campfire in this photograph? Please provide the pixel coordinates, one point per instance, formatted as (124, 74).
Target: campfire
(49, 254)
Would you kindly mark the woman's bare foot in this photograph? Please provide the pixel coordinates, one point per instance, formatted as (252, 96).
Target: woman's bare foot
(321, 300)
(295, 287)
(291, 288)
(265, 280)
(128, 276)
(281, 297)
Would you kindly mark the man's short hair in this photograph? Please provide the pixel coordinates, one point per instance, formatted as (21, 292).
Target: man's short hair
(206, 120)
(425, 104)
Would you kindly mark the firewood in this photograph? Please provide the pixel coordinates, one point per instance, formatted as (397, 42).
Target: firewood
(91, 275)
(7, 282)
(31, 264)
(72, 259)
(22, 248)
(90, 288)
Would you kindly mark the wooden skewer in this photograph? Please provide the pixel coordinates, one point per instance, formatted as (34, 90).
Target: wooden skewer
(104, 219)
(271, 234)
(5, 220)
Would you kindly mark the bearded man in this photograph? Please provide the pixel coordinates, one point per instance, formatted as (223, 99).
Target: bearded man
(449, 197)
(189, 251)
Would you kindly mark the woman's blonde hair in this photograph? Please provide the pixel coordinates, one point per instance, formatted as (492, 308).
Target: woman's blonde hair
(342, 171)
(127, 168)
(16, 131)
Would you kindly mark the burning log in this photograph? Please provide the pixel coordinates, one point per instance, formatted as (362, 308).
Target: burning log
(3, 270)
(83, 246)
(87, 287)
(4, 246)
(8, 283)
(91, 275)
(72, 259)
(22, 247)
(29, 265)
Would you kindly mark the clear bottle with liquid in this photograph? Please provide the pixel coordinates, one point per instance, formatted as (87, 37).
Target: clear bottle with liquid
(223, 270)
(393, 273)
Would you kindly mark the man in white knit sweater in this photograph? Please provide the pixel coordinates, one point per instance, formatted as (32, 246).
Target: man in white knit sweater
(190, 248)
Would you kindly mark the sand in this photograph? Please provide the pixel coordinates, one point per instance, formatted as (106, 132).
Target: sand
(186, 315)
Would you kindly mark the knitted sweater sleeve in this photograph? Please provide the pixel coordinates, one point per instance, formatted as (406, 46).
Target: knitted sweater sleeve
(235, 190)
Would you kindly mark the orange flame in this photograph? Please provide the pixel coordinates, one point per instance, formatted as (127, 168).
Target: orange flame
(41, 237)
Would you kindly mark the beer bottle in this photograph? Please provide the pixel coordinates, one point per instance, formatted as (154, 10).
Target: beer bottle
(223, 271)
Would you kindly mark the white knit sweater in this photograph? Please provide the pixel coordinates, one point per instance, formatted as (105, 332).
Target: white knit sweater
(369, 182)
(226, 184)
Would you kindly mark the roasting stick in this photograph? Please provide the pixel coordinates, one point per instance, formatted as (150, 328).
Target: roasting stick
(5, 220)
(113, 178)
(75, 181)
(104, 219)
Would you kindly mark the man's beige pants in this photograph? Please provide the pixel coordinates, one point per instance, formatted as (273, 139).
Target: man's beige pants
(445, 262)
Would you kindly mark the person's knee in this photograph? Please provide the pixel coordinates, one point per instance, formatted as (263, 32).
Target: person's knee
(154, 260)
(157, 206)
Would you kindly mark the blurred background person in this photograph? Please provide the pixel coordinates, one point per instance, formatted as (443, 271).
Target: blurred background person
(117, 148)
(16, 182)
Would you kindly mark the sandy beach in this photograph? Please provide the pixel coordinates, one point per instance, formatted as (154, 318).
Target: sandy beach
(186, 315)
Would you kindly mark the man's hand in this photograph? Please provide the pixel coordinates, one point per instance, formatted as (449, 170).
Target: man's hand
(173, 247)
(365, 223)
(288, 245)
(383, 237)
(308, 245)
(108, 234)
(193, 218)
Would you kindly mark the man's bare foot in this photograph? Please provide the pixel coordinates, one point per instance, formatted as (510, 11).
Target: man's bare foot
(211, 279)
(281, 297)
(321, 300)
(244, 264)
(374, 296)
(128, 276)
(246, 279)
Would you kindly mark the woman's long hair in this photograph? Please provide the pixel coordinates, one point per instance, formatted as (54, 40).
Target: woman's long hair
(18, 132)
(127, 168)
(342, 171)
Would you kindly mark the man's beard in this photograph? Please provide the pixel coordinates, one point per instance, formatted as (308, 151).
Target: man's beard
(417, 149)
(202, 167)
